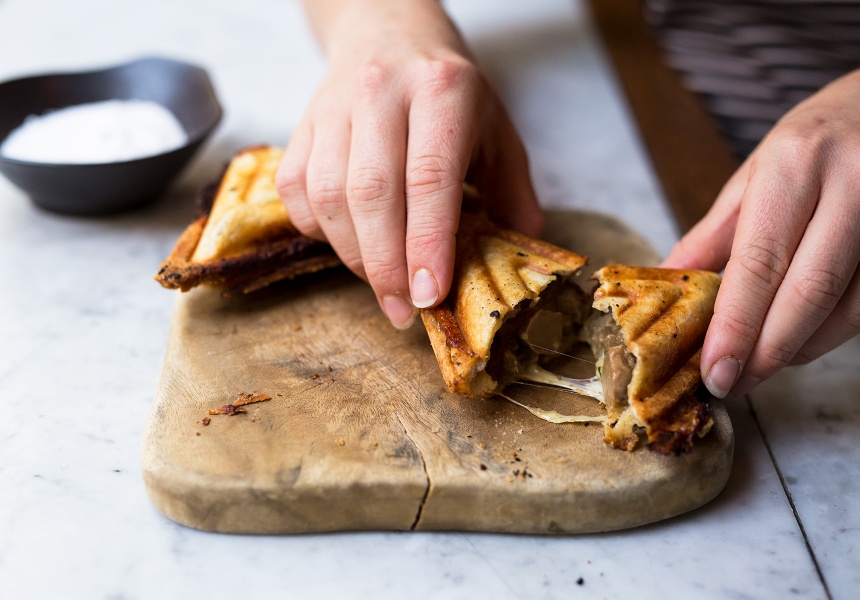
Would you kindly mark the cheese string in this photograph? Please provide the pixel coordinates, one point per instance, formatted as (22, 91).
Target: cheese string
(554, 416)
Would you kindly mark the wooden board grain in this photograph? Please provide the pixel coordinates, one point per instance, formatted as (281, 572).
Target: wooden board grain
(361, 433)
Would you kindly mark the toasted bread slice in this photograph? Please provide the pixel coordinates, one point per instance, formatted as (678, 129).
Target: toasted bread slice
(243, 239)
(651, 374)
(498, 274)
(513, 303)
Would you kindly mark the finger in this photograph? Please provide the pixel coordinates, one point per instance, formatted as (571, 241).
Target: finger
(839, 327)
(776, 206)
(326, 189)
(291, 181)
(444, 122)
(375, 192)
(509, 183)
(820, 271)
(708, 244)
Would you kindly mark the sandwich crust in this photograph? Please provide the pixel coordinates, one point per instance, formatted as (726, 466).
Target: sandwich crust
(663, 315)
(497, 272)
(243, 238)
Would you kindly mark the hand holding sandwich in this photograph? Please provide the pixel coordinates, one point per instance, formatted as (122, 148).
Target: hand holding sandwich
(405, 115)
(377, 165)
(786, 228)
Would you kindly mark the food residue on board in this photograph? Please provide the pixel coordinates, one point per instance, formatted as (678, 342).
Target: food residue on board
(236, 406)
(340, 442)
(251, 398)
(227, 409)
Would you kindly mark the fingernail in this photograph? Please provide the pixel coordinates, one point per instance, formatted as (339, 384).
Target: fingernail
(745, 385)
(425, 292)
(722, 376)
(399, 311)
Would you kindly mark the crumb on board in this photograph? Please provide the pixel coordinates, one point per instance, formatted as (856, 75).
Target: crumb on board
(561, 461)
(227, 409)
(251, 398)
(198, 433)
(481, 445)
(297, 328)
(315, 376)
(434, 430)
(340, 442)
(483, 467)
(206, 421)
(375, 443)
(236, 406)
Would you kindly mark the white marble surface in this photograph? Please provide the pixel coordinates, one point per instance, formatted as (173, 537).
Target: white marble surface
(84, 330)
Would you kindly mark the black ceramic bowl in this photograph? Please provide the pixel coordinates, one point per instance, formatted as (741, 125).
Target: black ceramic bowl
(98, 189)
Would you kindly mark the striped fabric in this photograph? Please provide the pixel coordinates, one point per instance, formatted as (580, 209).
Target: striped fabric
(752, 60)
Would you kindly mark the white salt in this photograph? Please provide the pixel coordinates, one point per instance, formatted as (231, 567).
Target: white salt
(99, 132)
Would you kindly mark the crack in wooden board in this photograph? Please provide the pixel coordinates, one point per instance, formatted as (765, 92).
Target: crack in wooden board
(376, 442)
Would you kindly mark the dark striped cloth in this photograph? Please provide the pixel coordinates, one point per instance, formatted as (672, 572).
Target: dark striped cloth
(751, 61)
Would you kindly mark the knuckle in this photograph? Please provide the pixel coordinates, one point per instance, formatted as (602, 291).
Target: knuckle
(430, 174)
(373, 79)
(738, 327)
(796, 148)
(438, 76)
(289, 180)
(327, 195)
(381, 271)
(428, 237)
(819, 291)
(764, 262)
(366, 186)
(775, 356)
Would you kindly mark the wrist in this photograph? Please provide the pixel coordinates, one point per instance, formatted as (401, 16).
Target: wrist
(350, 28)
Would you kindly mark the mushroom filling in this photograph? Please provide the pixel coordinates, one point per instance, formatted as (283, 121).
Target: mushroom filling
(536, 333)
(614, 363)
(533, 335)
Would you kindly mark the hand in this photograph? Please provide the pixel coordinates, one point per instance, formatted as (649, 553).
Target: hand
(377, 165)
(786, 227)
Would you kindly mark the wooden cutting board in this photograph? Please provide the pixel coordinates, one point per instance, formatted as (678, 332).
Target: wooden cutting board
(361, 434)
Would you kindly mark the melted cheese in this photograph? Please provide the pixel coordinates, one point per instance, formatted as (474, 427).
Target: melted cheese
(587, 387)
(553, 416)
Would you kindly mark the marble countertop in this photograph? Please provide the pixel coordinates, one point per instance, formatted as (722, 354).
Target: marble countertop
(84, 330)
